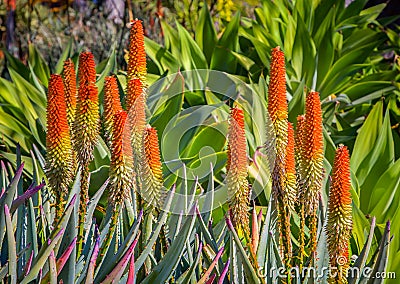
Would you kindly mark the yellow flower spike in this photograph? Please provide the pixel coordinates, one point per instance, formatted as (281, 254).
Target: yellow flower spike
(339, 223)
(238, 186)
(59, 161)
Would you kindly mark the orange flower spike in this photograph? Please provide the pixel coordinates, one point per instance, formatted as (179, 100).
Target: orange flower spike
(121, 166)
(312, 153)
(152, 152)
(313, 142)
(112, 105)
(86, 68)
(151, 169)
(134, 90)
(277, 104)
(58, 143)
(339, 223)
(69, 79)
(238, 186)
(137, 54)
(121, 171)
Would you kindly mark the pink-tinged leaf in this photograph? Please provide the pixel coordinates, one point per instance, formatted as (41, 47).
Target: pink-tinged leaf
(28, 264)
(53, 268)
(210, 269)
(65, 256)
(224, 272)
(229, 222)
(254, 231)
(92, 264)
(131, 274)
(211, 280)
(118, 270)
(26, 195)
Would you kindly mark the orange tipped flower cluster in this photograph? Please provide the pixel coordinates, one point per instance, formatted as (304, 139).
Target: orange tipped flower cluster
(339, 224)
(238, 186)
(312, 154)
(277, 104)
(137, 54)
(69, 79)
(86, 124)
(58, 143)
(151, 168)
(121, 167)
(112, 105)
(134, 90)
(310, 161)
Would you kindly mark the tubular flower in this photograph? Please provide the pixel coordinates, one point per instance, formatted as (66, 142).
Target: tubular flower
(290, 170)
(121, 166)
(238, 186)
(58, 144)
(151, 172)
(86, 68)
(137, 54)
(298, 139)
(282, 182)
(134, 90)
(137, 117)
(339, 223)
(85, 130)
(277, 104)
(86, 125)
(121, 171)
(112, 105)
(311, 164)
(312, 153)
(69, 79)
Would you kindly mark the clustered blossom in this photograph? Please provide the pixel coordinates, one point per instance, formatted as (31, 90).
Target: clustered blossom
(238, 186)
(112, 105)
(58, 143)
(339, 223)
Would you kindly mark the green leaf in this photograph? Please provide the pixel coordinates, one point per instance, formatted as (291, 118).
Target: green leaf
(164, 269)
(222, 58)
(367, 136)
(205, 35)
(192, 56)
(12, 247)
(164, 60)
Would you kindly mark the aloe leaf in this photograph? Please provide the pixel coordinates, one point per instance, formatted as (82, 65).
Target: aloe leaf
(224, 272)
(93, 258)
(91, 207)
(12, 253)
(161, 221)
(62, 260)
(362, 258)
(22, 198)
(383, 256)
(205, 35)
(250, 274)
(118, 270)
(67, 50)
(164, 269)
(7, 199)
(52, 268)
(210, 269)
(190, 272)
(131, 273)
(42, 258)
(106, 266)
